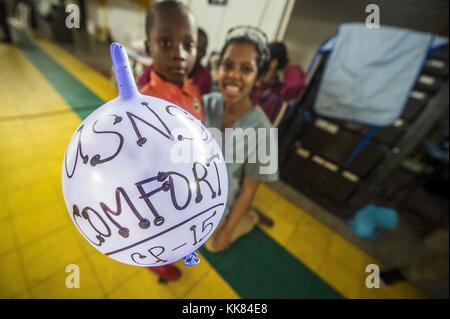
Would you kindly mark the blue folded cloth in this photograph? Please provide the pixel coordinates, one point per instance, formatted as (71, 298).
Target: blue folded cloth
(371, 72)
(370, 218)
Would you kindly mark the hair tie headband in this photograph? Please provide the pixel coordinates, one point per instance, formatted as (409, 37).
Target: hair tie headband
(254, 34)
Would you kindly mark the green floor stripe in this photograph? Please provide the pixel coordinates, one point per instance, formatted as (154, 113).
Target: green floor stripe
(255, 266)
(79, 97)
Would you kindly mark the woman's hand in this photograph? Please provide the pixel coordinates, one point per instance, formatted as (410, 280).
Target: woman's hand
(223, 234)
(222, 238)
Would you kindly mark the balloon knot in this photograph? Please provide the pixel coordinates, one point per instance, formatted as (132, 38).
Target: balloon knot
(191, 259)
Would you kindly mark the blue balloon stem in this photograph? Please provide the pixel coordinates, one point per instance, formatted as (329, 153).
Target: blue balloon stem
(122, 70)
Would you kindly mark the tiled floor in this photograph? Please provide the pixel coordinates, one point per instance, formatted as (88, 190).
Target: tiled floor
(299, 256)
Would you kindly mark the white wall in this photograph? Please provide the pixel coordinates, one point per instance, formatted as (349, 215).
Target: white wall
(217, 20)
(126, 20)
(314, 21)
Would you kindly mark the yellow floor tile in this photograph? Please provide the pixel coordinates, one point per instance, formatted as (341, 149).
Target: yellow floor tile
(12, 278)
(63, 123)
(112, 274)
(286, 218)
(347, 282)
(31, 197)
(55, 286)
(207, 288)
(84, 245)
(58, 141)
(285, 210)
(56, 136)
(11, 161)
(15, 138)
(344, 265)
(309, 242)
(3, 197)
(22, 175)
(34, 225)
(281, 230)
(93, 80)
(190, 276)
(143, 285)
(22, 295)
(264, 198)
(11, 129)
(55, 179)
(51, 149)
(342, 251)
(51, 254)
(5, 212)
(36, 99)
(7, 242)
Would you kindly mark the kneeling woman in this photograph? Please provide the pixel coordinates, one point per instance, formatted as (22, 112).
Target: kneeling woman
(243, 59)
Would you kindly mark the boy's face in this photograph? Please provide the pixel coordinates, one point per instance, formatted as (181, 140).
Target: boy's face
(172, 44)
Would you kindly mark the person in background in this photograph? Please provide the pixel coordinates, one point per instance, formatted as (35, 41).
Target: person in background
(172, 44)
(199, 75)
(280, 83)
(243, 58)
(213, 67)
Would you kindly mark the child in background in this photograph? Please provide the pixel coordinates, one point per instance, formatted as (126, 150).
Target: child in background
(172, 44)
(213, 67)
(280, 83)
(243, 58)
(199, 75)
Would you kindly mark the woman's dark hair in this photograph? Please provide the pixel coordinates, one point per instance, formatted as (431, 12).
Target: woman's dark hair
(278, 51)
(250, 35)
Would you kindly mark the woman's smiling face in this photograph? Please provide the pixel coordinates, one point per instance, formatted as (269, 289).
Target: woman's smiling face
(238, 72)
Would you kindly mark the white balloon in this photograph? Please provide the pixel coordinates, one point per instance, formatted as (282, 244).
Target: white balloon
(144, 181)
